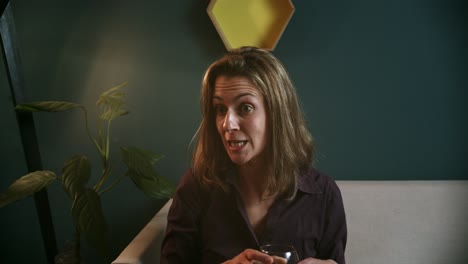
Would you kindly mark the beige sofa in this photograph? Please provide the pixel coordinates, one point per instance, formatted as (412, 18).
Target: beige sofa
(408, 222)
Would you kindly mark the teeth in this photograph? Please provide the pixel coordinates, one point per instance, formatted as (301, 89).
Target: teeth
(237, 143)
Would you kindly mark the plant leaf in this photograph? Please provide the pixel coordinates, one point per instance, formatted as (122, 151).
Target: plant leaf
(75, 175)
(111, 114)
(140, 164)
(134, 155)
(158, 187)
(26, 186)
(141, 161)
(113, 90)
(111, 103)
(47, 106)
(90, 221)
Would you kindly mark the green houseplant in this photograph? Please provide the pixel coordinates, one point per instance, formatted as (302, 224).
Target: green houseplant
(86, 208)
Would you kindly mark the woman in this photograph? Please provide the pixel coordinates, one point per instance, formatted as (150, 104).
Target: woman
(251, 181)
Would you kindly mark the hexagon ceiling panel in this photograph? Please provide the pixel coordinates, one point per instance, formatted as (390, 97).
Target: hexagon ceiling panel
(257, 23)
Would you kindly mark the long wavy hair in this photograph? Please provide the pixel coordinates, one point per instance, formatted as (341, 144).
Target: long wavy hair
(290, 145)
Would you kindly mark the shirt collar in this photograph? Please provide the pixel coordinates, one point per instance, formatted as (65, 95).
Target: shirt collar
(231, 177)
(305, 182)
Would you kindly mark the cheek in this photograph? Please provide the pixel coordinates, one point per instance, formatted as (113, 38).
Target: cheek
(260, 133)
(219, 126)
(263, 133)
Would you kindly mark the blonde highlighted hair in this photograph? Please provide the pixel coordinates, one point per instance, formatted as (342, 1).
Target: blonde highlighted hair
(290, 146)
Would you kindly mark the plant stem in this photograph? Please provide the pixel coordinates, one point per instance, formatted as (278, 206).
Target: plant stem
(105, 173)
(87, 129)
(112, 185)
(108, 139)
(101, 182)
(105, 160)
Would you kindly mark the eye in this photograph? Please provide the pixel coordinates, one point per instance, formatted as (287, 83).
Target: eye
(245, 108)
(220, 110)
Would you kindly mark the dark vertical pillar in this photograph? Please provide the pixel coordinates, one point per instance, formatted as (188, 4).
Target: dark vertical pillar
(26, 125)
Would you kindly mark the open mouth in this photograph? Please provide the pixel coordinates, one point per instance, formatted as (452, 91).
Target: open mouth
(237, 143)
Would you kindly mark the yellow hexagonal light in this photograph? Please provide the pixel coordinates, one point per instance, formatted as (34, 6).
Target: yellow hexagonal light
(258, 23)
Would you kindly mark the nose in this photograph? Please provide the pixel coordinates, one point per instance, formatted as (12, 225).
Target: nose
(231, 121)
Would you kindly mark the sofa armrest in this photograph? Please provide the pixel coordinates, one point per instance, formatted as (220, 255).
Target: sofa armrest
(146, 246)
(388, 222)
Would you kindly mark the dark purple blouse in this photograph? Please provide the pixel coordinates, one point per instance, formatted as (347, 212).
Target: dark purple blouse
(211, 226)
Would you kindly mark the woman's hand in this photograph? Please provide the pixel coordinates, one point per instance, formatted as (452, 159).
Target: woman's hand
(250, 256)
(317, 261)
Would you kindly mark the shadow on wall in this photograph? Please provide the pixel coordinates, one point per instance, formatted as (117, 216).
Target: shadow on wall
(204, 32)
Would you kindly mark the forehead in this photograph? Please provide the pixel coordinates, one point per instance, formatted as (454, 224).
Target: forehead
(225, 85)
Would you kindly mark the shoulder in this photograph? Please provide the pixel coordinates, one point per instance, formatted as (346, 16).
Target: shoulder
(191, 197)
(315, 181)
(189, 189)
(188, 180)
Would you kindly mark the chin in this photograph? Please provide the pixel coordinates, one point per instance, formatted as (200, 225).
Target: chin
(239, 161)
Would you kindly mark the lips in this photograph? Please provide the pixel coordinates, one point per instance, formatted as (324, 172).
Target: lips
(236, 144)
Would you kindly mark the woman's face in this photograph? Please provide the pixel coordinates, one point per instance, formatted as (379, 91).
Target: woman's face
(240, 118)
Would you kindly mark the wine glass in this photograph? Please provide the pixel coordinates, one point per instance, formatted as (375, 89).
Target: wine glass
(281, 253)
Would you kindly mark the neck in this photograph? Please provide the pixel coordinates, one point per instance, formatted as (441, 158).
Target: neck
(252, 183)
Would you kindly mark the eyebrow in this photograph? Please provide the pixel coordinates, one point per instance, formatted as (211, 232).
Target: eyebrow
(215, 97)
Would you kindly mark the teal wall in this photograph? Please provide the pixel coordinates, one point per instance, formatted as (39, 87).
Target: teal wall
(383, 85)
